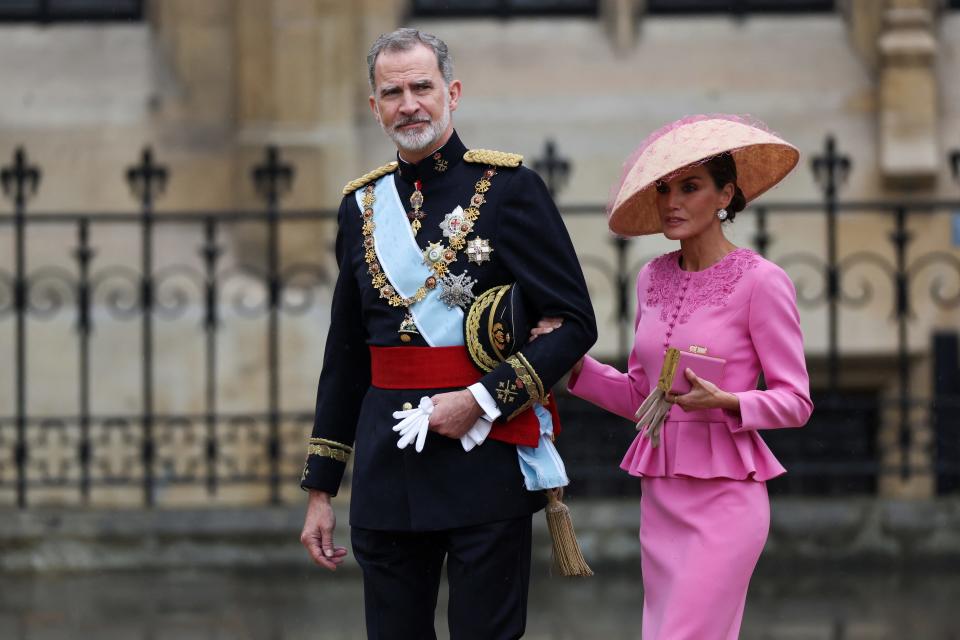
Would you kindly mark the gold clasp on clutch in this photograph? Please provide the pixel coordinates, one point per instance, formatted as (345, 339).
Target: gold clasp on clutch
(698, 350)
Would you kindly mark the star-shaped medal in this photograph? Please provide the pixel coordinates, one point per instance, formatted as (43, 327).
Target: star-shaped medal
(478, 250)
(452, 222)
(457, 290)
(433, 253)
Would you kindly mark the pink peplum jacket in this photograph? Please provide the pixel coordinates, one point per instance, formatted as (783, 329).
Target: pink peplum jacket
(742, 309)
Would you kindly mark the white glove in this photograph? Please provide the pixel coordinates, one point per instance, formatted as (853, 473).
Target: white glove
(414, 425)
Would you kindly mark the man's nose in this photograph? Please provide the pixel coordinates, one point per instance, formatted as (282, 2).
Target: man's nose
(409, 104)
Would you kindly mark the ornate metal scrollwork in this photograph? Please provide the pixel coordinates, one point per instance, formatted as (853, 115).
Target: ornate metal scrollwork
(952, 263)
(865, 293)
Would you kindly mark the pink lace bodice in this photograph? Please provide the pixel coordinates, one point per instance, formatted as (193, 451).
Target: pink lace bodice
(670, 285)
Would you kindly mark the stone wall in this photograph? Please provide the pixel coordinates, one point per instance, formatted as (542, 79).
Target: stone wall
(211, 84)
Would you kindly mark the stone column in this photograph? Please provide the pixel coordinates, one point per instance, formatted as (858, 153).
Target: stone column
(301, 85)
(908, 96)
(621, 18)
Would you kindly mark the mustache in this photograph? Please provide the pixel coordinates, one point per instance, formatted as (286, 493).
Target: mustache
(406, 121)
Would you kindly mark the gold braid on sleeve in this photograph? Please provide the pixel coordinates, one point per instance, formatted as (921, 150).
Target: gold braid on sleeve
(329, 449)
(527, 376)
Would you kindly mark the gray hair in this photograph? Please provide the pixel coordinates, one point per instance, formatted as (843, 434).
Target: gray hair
(405, 39)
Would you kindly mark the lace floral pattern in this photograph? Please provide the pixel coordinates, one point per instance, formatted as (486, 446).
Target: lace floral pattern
(710, 287)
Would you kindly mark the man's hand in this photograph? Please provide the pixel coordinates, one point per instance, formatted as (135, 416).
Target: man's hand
(317, 534)
(454, 413)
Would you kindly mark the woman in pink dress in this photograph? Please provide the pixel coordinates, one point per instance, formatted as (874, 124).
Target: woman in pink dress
(704, 511)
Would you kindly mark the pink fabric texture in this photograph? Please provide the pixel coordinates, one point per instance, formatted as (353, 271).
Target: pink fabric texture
(699, 543)
(742, 309)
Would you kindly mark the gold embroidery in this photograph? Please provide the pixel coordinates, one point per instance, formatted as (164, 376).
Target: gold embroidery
(541, 392)
(481, 357)
(493, 312)
(325, 451)
(525, 377)
(328, 449)
(504, 393)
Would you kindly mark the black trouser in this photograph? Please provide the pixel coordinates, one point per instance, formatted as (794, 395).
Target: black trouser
(488, 571)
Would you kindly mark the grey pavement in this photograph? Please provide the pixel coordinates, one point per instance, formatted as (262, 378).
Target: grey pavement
(262, 604)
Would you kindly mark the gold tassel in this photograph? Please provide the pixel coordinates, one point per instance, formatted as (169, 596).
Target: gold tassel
(566, 550)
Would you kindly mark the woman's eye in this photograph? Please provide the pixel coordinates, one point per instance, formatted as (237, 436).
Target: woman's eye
(689, 188)
(662, 188)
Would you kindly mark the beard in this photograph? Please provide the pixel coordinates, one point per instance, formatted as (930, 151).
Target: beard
(417, 141)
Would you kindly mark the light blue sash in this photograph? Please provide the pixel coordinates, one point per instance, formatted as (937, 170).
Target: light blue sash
(402, 262)
(542, 466)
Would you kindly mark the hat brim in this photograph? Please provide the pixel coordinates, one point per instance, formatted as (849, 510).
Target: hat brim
(761, 164)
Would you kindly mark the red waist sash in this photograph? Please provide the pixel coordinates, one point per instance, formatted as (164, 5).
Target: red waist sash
(412, 368)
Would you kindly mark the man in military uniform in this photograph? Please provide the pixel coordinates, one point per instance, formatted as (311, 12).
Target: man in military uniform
(418, 240)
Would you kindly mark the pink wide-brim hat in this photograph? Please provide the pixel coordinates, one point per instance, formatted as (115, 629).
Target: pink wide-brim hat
(762, 159)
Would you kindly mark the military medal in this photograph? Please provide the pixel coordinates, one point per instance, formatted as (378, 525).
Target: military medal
(416, 201)
(455, 223)
(478, 250)
(408, 329)
(457, 291)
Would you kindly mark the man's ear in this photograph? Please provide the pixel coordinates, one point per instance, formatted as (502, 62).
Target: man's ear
(375, 108)
(455, 90)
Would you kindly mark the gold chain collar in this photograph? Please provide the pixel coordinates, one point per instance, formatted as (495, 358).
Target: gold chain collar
(445, 255)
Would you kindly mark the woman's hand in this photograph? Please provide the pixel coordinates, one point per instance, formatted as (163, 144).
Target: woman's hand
(545, 326)
(704, 395)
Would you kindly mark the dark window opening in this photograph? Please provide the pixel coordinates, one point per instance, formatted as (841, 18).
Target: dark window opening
(502, 8)
(739, 6)
(70, 10)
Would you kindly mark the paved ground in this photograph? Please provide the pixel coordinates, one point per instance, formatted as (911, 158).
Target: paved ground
(295, 604)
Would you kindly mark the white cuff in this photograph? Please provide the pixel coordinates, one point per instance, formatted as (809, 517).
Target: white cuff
(485, 400)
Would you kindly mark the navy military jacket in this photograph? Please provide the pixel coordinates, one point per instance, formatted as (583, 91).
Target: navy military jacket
(443, 486)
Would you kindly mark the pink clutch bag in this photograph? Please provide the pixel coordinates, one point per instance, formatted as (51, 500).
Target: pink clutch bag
(676, 362)
(654, 409)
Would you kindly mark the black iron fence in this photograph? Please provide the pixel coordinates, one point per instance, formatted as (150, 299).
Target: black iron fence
(163, 352)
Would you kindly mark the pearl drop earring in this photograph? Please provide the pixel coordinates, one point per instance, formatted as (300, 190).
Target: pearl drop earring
(722, 214)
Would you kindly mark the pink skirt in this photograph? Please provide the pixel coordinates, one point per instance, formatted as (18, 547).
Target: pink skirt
(699, 543)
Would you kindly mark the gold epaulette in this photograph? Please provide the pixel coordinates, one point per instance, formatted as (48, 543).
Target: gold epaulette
(353, 185)
(495, 158)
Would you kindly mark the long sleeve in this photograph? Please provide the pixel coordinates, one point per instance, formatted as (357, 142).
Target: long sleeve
(608, 388)
(533, 244)
(344, 379)
(774, 325)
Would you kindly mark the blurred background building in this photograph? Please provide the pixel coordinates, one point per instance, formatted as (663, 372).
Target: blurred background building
(171, 170)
